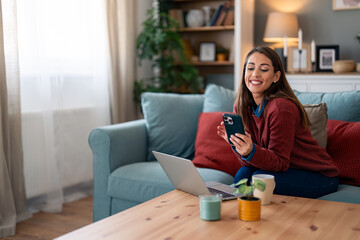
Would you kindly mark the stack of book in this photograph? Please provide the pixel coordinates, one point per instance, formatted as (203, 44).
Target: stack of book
(223, 15)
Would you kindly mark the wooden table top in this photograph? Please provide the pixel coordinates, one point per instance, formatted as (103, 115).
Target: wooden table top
(175, 215)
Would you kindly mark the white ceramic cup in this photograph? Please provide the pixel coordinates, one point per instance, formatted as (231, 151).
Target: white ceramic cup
(266, 195)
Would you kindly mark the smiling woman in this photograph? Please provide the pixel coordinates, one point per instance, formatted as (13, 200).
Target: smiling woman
(277, 140)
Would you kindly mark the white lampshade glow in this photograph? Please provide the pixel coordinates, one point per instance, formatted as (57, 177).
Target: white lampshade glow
(279, 25)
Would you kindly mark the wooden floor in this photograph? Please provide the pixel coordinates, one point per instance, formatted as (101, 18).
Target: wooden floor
(50, 225)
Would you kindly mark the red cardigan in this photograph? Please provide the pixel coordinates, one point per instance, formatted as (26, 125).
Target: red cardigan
(282, 142)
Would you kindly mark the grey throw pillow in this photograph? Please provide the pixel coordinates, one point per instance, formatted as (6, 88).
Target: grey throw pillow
(318, 117)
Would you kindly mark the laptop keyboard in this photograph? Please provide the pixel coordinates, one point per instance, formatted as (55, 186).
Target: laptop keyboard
(224, 194)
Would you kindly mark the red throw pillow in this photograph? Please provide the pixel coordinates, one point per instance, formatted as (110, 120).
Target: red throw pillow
(211, 151)
(343, 145)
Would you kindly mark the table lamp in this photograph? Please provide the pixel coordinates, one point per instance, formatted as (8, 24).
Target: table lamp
(281, 27)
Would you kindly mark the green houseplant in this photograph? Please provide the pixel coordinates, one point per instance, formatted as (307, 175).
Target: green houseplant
(248, 190)
(249, 206)
(161, 42)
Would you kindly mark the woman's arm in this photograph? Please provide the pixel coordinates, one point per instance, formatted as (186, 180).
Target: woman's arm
(278, 136)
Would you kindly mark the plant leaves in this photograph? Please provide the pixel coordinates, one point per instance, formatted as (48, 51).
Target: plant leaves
(242, 181)
(260, 185)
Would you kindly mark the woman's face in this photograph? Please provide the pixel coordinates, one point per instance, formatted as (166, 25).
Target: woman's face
(259, 75)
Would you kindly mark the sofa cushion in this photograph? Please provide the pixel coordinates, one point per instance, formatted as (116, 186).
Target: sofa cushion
(140, 182)
(317, 114)
(343, 106)
(343, 146)
(345, 193)
(171, 122)
(211, 151)
(218, 99)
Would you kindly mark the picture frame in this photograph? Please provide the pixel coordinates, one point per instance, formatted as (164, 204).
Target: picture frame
(207, 52)
(325, 57)
(293, 62)
(344, 5)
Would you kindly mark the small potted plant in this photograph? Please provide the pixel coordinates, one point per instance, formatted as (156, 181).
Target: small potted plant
(249, 206)
(221, 54)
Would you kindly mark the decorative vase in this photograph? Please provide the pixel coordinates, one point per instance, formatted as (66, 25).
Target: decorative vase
(358, 67)
(195, 18)
(207, 11)
(341, 66)
(249, 208)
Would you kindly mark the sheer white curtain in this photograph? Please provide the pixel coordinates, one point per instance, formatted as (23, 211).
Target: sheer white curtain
(64, 71)
(12, 190)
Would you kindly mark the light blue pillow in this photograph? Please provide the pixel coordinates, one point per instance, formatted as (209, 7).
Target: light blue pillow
(344, 106)
(218, 99)
(171, 122)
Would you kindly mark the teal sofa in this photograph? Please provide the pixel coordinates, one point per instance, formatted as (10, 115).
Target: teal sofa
(126, 173)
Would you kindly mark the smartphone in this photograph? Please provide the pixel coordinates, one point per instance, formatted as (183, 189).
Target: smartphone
(233, 124)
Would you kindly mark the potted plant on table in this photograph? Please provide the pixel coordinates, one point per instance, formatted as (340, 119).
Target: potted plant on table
(161, 43)
(249, 206)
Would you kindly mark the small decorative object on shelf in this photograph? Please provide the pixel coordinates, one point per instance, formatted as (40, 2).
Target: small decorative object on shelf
(285, 53)
(221, 54)
(326, 56)
(313, 67)
(207, 15)
(195, 18)
(342, 66)
(300, 47)
(299, 60)
(207, 51)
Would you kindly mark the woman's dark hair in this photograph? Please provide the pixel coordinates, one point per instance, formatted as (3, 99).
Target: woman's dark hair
(280, 89)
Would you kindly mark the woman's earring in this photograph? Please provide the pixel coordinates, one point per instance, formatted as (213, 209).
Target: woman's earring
(275, 81)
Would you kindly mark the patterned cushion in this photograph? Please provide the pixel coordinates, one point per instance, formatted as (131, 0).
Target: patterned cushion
(344, 147)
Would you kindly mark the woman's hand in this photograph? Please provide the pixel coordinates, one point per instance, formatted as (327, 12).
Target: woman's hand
(242, 143)
(222, 132)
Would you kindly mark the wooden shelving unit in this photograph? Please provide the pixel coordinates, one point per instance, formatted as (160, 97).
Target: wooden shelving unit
(217, 63)
(206, 29)
(237, 38)
(221, 35)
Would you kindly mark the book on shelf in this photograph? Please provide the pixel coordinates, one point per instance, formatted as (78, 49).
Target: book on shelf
(178, 15)
(229, 19)
(219, 21)
(216, 15)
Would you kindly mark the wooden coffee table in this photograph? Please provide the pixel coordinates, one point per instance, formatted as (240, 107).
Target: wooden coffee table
(175, 215)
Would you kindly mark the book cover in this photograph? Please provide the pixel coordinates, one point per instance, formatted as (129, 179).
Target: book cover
(177, 14)
(229, 19)
(216, 15)
(222, 14)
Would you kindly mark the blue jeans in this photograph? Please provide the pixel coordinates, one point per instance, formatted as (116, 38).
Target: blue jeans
(295, 182)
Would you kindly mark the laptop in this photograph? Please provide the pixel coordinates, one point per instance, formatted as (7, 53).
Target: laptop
(185, 177)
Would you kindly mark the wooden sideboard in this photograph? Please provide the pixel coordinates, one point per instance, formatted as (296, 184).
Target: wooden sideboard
(324, 82)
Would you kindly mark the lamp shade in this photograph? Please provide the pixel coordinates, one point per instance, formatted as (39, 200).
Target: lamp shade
(279, 25)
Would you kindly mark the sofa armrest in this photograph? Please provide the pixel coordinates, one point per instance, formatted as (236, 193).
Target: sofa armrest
(114, 146)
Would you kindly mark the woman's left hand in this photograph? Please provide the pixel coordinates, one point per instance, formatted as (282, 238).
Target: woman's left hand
(242, 143)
